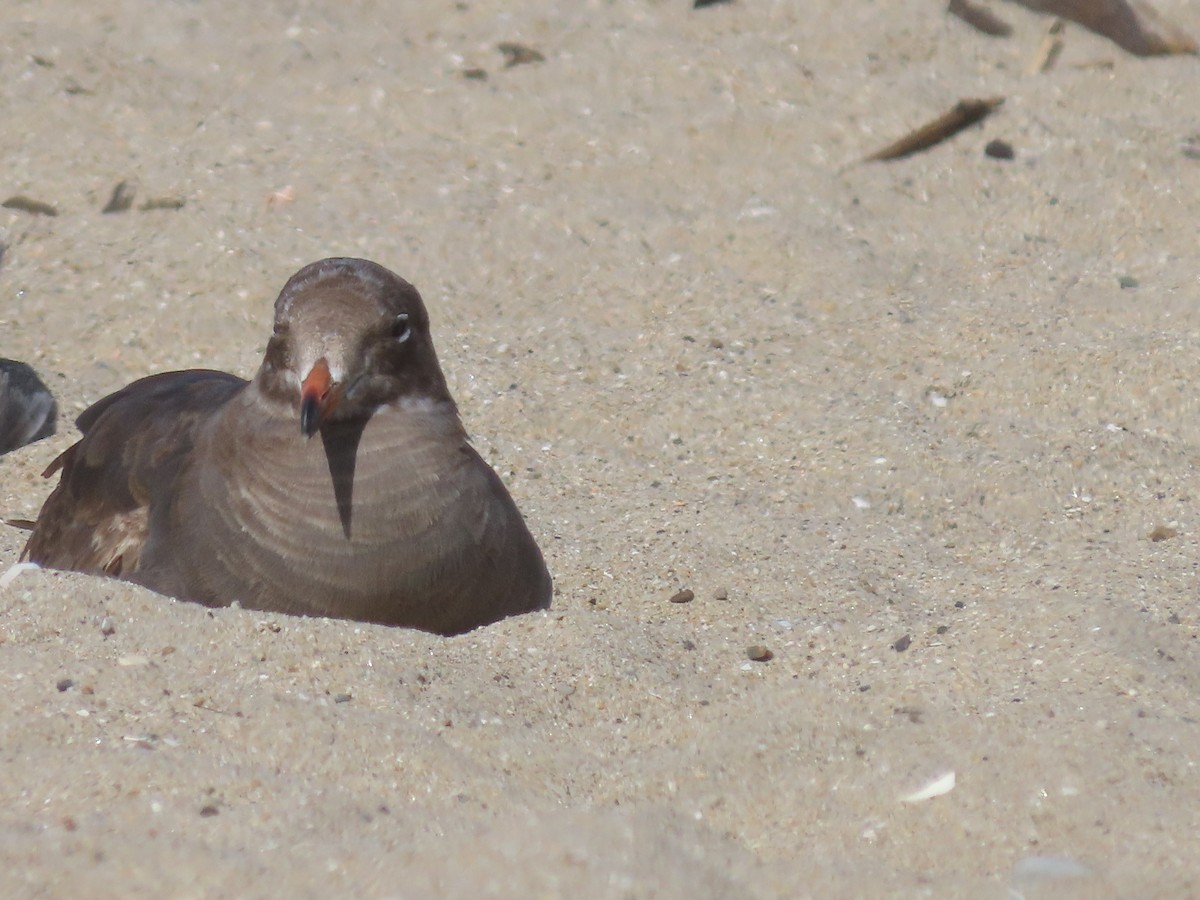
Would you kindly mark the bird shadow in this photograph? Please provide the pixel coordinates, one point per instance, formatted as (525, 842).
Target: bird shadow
(341, 440)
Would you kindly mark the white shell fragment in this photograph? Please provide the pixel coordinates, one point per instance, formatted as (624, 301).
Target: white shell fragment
(11, 573)
(943, 784)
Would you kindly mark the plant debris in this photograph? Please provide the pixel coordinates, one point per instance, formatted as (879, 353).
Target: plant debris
(121, 199)
(1048, 50)
(518, 54)
(1133, 25)
(964, 114)
(161, 203)
(26, 204)
(980, 18)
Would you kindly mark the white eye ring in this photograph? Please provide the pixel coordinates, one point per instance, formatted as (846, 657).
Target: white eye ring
(401, 331)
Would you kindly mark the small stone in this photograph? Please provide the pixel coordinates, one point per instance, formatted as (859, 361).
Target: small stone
(65, 684)
(1127, 282)
(1162, 533)
(721, 594)
(759, 653)
(902, 644)
(342, 698)
(107, 628)
(208, 811)
(998, 149)
(687, 595)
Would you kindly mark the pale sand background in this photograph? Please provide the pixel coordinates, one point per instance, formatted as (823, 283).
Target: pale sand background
(865, 402)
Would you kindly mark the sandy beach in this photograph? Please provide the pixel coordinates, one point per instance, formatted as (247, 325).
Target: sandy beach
(921, 437)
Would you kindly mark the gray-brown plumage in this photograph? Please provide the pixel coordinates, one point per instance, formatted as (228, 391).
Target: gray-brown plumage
(27, 409)
(339, 482)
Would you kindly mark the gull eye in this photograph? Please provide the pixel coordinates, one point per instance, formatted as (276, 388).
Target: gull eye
(400, 328)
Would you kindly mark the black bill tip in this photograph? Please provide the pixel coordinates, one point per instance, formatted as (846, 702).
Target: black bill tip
(310, 415)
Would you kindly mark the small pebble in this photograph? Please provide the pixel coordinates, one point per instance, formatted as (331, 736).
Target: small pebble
(902, 644)
(1162, 533)
(759, 653)
(999, 149)
(65, 684)
(721, 594)
(685, 596)
(107, 628)
(208, 811)
(342, 698)
(1127, 282)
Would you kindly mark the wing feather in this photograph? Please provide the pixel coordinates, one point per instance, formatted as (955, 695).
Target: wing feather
(135, 443)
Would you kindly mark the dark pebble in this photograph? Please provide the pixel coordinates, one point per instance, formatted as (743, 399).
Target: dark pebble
(342, 698)
(759, 653)
(65, 684)
(685, 596)
(1127, 282)
(208, 811)
(999, 149)
(902, 644)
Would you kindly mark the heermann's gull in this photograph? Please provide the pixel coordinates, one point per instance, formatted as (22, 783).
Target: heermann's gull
(339, 482)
